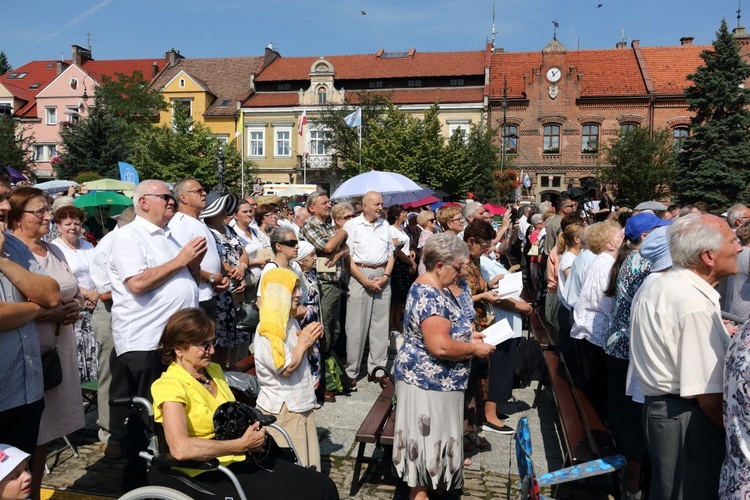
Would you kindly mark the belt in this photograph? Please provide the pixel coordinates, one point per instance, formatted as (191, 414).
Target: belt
(369, 266)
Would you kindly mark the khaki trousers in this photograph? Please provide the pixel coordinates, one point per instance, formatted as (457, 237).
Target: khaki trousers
(304, 434)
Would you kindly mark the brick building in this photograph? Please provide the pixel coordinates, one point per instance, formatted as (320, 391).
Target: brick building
(558, 107)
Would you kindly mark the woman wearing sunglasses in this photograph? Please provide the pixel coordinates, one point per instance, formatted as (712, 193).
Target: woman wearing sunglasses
(285, 245)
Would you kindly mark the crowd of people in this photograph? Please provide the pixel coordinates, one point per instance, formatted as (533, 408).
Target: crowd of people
(161, 302)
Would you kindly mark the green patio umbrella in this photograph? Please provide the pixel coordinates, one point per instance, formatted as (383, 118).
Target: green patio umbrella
(116, 201)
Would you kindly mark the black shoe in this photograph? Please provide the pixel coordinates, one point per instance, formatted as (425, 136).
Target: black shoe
(505, 429)
(503, 416)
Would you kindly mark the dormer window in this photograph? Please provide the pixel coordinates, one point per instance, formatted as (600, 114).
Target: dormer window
(376, 84)
(284, 86)
(182, 83)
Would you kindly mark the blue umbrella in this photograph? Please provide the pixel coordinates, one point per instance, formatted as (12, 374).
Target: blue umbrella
(15, 175)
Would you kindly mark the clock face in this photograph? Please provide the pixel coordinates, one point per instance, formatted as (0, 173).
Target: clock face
(554, 74)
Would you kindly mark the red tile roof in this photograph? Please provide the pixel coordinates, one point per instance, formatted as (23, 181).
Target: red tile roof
(43, 72)
(608, 72)
(369, 66)
(513, 66)
(227, 78)
(428, 95)
(668, 67)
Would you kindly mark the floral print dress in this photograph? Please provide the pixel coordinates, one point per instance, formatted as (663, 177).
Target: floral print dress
(311, 301)
(734, 482)
(229, 247)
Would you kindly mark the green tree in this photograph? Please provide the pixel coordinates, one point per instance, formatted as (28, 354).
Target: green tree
(130, 97)
(642, 165)
(95, 144)
(483, 154)
(15, 146)
(713, 161)
(5, 66)
(186, 149)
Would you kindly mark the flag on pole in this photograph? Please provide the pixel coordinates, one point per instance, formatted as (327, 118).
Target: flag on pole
(354, 119)
(526, 181)
(128, 172)
(302, 123)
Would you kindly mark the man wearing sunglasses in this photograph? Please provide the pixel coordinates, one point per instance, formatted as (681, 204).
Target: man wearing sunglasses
(185, 225)
(152, 277)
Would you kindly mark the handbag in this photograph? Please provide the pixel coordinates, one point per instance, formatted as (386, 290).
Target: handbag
(51, 366)
(231, 420)
(247, 316)
(534, 250)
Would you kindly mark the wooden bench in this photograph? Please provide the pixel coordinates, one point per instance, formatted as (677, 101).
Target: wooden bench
(584, 435)
(377, 428)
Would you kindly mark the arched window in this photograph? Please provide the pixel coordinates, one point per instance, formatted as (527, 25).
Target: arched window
(590, 138)
(627, 127)
(551, 139)
(322, 95)
(510, 135)
(679, 134)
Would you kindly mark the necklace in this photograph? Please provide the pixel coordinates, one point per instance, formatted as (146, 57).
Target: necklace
(206, 381)
(434, 281)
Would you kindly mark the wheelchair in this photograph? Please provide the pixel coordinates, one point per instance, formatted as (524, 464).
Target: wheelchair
(165, 483)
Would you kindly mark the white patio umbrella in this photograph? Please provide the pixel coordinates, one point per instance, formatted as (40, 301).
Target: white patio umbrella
(395, 188)
(56, 186)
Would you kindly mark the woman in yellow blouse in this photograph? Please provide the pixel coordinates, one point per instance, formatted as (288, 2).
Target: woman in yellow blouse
(185, 399)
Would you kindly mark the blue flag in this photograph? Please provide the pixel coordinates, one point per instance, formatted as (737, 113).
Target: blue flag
(128, 172)
(354, 119)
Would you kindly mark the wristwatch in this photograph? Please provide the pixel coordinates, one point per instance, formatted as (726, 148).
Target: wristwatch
(211, 278)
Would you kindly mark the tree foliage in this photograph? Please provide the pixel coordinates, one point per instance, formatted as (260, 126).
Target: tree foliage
(130, 97)
(642, 165)
(395, 141)
(5, 66)
(186, 149)
(15, 146)
(95, 144)
(713, 162)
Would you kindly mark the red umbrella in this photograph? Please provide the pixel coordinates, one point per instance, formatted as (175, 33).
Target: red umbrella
(450, 204)
(495, 209)
(427, 200)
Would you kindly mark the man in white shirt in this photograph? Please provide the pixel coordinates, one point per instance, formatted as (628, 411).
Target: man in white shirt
(367, 309)
(185, 225)
(152, 278)
(110, 420)
(677, 348)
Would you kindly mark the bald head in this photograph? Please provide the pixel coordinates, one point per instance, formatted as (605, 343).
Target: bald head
(372, 206)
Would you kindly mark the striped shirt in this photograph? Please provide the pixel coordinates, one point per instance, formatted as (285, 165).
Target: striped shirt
(20, 361)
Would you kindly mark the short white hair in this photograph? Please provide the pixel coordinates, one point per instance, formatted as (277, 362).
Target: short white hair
(143, 188)
(735, 213)
(471, 209)
(690, 236)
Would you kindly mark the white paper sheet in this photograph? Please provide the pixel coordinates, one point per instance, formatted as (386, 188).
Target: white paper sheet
(498, 332)
(510, 285)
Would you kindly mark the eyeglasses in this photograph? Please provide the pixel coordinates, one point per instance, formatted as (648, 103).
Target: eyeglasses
(207, 345)
(569, 206)
(457, 219)
(458, 268)
(484, 244)
(347, 217)
(289, 243)
(166, 197)
(199, 191)
(270, 214)
(39, 213)
(432, 221)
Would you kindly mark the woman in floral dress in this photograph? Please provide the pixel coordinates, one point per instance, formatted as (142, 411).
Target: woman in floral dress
(231, 344)
(432, 371)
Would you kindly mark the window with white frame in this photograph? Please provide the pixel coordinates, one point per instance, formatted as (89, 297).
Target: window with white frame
(186, 104)
(283, 146)
(318, 142)
(44, 152)
(223, 139)
(50, 114)
(590, 138)
(551, 139)
(71, 114)
(6, 108)
(459, 125)
(256, 142)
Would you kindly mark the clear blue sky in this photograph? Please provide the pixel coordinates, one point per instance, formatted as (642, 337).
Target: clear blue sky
(124, 29)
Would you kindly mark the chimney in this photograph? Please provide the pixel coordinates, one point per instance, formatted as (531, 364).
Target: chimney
(172, 56)
(411, 52)
(61, 65)
(81, 55)
(621, 45)
(686, 41)
(154, 69)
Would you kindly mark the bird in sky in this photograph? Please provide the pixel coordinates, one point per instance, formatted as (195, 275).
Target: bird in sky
(599, 5)
(364, 13)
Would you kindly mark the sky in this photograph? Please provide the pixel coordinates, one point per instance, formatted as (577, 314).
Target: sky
(135, 29)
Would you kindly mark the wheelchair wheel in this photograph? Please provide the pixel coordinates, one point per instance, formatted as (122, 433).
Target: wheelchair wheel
(156, 493)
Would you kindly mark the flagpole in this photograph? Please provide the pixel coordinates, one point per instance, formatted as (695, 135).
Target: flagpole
(360, 138)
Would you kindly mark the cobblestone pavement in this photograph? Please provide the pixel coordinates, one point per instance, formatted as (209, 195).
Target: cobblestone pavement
(493, 474)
